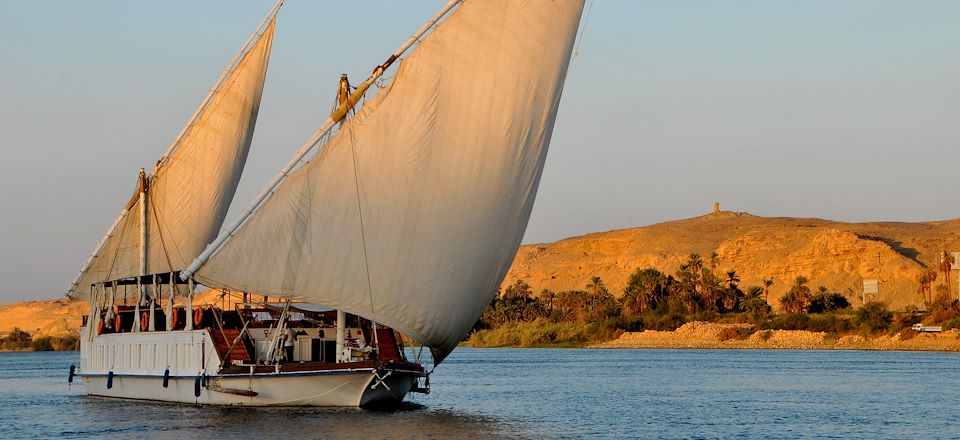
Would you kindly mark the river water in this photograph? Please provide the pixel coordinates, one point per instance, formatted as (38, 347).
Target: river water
(546, 393)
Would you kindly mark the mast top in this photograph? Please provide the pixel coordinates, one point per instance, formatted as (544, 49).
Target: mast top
(314, 140)
(234, 63)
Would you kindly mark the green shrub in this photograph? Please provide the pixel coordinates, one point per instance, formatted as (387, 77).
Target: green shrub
(602, 331)
(631, 325)
(740, 333)
(828, 302)
(943, 311)
(43, 344)
(666, 322)
(908, 334)
(789, 321)
(830, 323)
(952, 324)
(542, 332)
(67, 343)
(903, 321)
(16, 340)
(765, 335)
(705, 316)
(873, 316)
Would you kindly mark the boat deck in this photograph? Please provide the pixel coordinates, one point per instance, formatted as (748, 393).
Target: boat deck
(299, 367)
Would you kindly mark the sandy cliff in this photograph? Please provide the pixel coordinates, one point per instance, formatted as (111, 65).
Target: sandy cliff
(837, 255)
(43, 318)
(57, 317)
(834, 254)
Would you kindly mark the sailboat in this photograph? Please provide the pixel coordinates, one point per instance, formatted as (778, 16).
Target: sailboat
(393, 224)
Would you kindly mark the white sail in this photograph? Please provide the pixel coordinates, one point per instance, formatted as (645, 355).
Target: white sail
(191, 189)
(412, 213)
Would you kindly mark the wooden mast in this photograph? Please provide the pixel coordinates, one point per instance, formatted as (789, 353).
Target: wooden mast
(143, 227)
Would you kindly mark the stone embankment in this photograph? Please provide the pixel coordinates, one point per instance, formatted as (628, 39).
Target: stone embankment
(707, 335)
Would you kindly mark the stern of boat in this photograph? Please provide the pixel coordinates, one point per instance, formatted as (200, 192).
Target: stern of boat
(391, 383)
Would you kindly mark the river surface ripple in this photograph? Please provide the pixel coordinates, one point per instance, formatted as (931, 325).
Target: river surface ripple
(547, 393)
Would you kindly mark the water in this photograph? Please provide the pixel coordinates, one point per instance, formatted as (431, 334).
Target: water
(539, 393)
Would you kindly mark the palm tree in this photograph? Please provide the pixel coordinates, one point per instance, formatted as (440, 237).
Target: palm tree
(695, 266)
(714, 260)
(754, 303)
(695, 263)
(922, 288)
(946, 264)
(798, 296)
(712, 289)
(767, 282)
(518, 288)
(819, 303)
(572, 305)
(644, 289)
(549, 296)
(731, 296)
(731, 300)
(926, 280)
(732, 279)
(532, 309)
(595, 286)
(686, 288)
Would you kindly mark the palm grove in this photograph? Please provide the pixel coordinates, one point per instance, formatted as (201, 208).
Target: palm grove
(696, 292)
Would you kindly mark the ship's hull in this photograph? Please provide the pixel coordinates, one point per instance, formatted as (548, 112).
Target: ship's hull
(134, 366)
(360, 387)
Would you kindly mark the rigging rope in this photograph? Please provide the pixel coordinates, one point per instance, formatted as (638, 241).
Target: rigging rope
(384, 82)
(163, 244)
(363, 236)
(113, 262)
(583, 30)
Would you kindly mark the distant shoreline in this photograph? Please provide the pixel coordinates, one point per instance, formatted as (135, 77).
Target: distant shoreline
(702, 335)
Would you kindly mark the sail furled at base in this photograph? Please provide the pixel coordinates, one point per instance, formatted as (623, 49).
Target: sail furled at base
(412, 213)
(189, 194)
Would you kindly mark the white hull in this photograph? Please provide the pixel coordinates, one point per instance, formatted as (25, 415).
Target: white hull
(317, 388)
(138, 362)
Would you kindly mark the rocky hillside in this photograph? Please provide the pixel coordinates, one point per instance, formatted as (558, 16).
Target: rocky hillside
(43, 318)
(56, 317)
(834, 254)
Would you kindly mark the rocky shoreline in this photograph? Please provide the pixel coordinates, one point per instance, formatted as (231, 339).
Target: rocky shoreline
(705, 335)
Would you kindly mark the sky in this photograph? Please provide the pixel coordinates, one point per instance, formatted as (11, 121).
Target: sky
(845, 110)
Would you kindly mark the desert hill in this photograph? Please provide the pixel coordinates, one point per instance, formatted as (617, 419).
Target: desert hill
(833, 254)
(58, 317)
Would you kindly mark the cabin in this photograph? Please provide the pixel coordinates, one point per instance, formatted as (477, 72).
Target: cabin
(246, 336)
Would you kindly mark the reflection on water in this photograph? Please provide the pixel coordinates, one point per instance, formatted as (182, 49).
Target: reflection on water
(512, 393)
(37, 403)
(104, 417)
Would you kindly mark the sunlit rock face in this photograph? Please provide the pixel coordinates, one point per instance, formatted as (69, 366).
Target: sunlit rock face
(832, 254)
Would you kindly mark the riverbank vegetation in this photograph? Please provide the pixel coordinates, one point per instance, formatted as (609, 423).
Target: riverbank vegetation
(19, 340)
(653, 300)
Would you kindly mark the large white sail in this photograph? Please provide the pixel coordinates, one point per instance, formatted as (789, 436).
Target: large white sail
(412, 213)
(190, 191)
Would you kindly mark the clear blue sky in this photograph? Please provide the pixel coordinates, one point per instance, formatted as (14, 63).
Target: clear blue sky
(845, 110)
